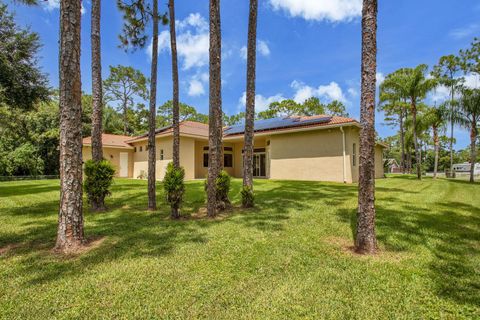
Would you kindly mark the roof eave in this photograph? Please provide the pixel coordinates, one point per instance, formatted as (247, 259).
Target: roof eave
(295, 129)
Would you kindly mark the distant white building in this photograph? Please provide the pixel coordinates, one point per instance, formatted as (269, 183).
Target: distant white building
(465, 168)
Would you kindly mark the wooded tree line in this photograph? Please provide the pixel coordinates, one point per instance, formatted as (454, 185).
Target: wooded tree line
(422, 139)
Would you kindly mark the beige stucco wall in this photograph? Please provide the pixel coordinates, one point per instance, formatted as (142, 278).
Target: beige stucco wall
(200, 170)
(112, 155)
(187, 156)
(309, 155)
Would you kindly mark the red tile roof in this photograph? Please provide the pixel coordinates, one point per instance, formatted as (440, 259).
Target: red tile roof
(111, 140)
(201, 129)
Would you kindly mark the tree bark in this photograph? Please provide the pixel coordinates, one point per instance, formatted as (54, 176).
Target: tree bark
(250, 100)
(70, 217)
(175, 111)
(402, 141)
(436, 143)
(97, 95)
(473, 150)
(215, 162)
(415, 140)
(365, 240)
(152, 200)
(452, 125)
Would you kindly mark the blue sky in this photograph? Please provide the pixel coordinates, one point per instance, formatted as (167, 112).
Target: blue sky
(306, 47)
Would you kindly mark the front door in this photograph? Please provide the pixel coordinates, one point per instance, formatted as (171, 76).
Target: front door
(259, 161)
(123, 164)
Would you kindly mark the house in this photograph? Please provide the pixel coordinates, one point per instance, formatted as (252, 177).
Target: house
(322, 148)
(392, 166)
(465, 168)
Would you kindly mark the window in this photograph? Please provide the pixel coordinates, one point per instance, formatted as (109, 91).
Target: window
(205, 160)
(161, 154)
(228, 160)
(141, 149)
(146, 147)
(134, 149)
(354, 155)
(228, 149)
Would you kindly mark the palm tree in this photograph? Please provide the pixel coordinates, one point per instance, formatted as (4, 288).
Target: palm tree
(70, 217)
(446, 71)
(365, 240)
(436, 119)
(417, 86)
(215, 151)
(468, 116)
(393, 103)
(250, 101)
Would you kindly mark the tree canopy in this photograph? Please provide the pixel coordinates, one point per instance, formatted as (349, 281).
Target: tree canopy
(22, 83)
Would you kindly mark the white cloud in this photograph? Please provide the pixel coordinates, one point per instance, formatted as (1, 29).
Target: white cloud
(472, 81)
(261, 102)
(193, 20)
(352, 92)
(192, 41)
(329, 92)
(51, 5)
(262, 49)
(465, 32)
(195, 88)
(196, 84)
(318, 10)
(379, 77)
(440, 94)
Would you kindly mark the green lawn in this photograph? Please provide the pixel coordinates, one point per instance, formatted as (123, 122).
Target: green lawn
(287, 258)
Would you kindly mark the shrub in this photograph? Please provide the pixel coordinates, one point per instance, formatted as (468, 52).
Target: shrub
(247, 197)
(174, 186)
(98, 179)
(223, 188)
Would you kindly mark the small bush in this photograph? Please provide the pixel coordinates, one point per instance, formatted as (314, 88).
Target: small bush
(98, 179)
(247, 197)
(174, 186)
(223, 188)
(142, 175)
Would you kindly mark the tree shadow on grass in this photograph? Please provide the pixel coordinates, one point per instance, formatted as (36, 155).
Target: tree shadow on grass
(451, 234)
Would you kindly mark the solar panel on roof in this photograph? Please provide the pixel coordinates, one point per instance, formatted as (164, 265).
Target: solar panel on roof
(275, 123)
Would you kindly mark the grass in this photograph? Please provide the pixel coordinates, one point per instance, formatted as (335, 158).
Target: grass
(287, 258)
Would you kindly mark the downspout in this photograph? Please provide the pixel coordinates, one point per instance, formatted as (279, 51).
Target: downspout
(344, 156)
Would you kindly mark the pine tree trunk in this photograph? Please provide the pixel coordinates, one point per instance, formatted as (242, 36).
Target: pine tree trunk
(415, 140)
(365, 241)
(215, 109)
(70, 217)
(125, 116)
(175, 111)
(473, 151)
(452, 125)
(402, 142)
(250, 101)
(97, 95)
(152, 200)
(436, 142)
